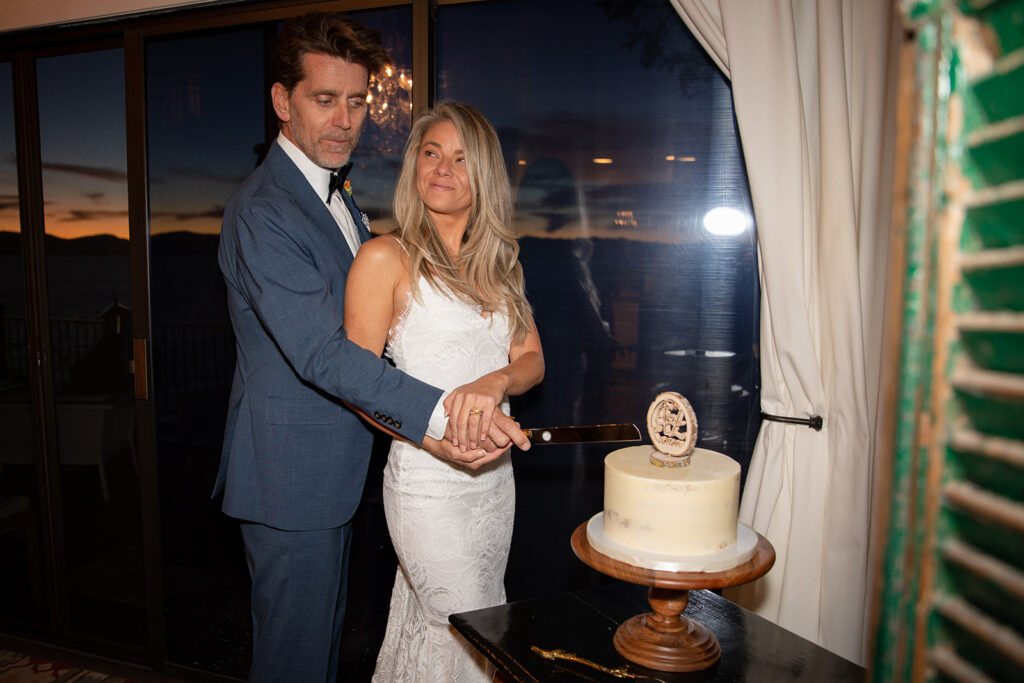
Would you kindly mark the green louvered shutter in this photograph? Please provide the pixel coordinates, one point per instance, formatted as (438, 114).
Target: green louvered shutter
(952, 603)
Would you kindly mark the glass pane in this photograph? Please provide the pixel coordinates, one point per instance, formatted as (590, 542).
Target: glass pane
(87, 271)
(378, 156)
(377, 160)
(636, 233)
(206, 106)
(23, 597)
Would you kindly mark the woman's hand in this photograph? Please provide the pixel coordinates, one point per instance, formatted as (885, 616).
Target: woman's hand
(470, 409)
(473, 409)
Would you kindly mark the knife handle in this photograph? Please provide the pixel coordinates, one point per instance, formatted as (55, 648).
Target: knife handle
(544, 435)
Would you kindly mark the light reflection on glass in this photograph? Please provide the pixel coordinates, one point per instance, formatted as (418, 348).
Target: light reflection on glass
(725, 220)
(378, 156)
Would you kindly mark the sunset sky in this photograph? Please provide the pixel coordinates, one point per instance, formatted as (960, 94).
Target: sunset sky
(82, 144)
(8, 169)
(570, 97)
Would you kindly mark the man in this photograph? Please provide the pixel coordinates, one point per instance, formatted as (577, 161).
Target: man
(295, 456)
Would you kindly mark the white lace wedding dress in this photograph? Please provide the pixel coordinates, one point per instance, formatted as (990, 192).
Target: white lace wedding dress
(451, 527)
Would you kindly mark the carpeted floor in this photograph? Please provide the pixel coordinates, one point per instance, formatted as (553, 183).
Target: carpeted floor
(18, 668)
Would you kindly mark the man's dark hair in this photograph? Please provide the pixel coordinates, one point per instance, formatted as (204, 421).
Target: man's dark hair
(327, 33)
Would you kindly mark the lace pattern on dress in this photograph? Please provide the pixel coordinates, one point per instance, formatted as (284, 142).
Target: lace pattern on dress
(451, 527)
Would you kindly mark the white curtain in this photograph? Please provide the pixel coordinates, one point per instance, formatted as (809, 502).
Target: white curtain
(810, 83)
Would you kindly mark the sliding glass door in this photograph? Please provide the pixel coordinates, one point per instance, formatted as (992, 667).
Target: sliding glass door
(24, 597)
(86, 261)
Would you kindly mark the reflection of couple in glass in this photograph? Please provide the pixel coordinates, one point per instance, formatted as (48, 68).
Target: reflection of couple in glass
(445, 296)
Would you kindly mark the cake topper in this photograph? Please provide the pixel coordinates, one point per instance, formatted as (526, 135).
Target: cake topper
(672, 426)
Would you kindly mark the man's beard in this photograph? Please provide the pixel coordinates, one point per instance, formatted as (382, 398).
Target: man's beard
(327, 159)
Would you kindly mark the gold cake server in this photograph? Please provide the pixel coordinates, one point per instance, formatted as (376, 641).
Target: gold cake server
(618, 671)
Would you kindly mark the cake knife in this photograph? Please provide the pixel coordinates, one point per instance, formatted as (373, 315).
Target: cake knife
(542, 436)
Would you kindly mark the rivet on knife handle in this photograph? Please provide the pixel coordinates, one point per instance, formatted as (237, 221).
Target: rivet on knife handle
(542, 434)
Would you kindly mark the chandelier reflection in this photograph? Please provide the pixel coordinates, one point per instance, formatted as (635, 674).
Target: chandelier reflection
(390, 103)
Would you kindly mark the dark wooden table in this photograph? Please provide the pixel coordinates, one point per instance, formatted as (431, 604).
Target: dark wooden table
(583, 622)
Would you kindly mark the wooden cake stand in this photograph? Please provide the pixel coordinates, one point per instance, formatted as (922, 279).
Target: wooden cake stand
(665, 640)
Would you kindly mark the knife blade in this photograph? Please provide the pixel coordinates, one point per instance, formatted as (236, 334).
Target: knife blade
(582, 434)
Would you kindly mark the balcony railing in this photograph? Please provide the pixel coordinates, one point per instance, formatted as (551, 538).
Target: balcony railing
(186, 358)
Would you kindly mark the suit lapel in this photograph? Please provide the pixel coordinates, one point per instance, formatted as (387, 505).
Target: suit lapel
(361, 221)
(289, 177)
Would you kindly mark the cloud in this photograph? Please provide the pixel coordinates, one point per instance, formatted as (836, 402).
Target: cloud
(88, 171)
(213, 212)
(78, 215)
(95, 196)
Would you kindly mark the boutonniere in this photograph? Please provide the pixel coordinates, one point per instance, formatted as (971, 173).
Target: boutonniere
(348, 187)
(366, 220)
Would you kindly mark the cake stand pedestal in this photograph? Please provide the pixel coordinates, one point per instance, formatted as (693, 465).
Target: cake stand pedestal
(665, 640)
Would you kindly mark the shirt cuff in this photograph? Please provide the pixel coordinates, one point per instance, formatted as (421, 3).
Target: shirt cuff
(438, 420)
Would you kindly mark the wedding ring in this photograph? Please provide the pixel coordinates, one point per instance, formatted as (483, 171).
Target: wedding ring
(476, 411)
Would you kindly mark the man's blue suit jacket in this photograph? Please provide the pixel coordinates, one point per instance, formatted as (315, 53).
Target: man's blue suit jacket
(295, 457)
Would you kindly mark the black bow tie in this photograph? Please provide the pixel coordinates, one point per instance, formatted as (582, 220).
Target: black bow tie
(338, 180)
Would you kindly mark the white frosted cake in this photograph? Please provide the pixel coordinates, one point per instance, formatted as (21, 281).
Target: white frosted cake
(671, 511)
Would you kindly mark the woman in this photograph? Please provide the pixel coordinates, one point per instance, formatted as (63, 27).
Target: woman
(446, 295)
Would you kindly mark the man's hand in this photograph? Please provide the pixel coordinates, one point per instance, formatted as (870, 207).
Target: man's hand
(473, 458)
(502, 432)
(505, 429)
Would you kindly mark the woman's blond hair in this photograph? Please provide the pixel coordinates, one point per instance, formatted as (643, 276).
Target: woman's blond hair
(487, 271)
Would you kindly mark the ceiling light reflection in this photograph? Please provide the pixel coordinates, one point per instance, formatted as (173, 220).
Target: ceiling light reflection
(706, 353)
(726, 221)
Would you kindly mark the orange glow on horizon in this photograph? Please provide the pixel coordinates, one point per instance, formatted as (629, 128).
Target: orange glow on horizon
(70, 230)
(202, 226)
